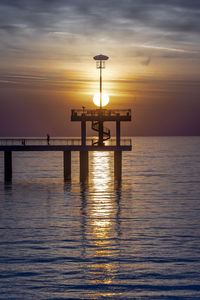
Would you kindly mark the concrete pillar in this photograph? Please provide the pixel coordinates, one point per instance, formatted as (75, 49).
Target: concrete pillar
(118, 164)
(84, 166)
(83, 133)
(118, 133)
(7, 166)
(67, 165)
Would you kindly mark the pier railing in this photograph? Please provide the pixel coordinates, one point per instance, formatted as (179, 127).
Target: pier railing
(91, 141)
(104, 112)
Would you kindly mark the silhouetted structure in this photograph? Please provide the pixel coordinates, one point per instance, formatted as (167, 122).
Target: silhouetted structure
(66, 145)
(48, 138)
(97, 117)
(103, 142)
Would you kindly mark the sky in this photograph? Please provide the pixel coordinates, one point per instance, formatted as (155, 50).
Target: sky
(47, 67)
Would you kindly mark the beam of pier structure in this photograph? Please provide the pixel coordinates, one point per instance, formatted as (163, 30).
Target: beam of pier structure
(84, 166)
(83, 133)
(117, 165)
(67, 165)
(7, 166)
(118, 132)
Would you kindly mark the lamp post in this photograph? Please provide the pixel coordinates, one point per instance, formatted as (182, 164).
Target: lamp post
(100, 64)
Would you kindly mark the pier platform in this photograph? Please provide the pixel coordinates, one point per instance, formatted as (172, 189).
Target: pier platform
(107, 115)
(62, 144)
(66, 145)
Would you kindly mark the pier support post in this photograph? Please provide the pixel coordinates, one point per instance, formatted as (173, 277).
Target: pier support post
(67, 165)
(7, 166)
(83, 133)
(118, 132)
(101, 133)
(118, 165)
(84, 166)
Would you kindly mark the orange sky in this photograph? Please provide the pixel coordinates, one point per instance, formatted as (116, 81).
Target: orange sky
(47, 64)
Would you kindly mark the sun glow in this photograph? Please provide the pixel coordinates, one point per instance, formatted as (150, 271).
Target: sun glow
(105, 99)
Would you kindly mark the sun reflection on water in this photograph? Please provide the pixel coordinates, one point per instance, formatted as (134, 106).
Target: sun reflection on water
(101, 216)
(101, 172)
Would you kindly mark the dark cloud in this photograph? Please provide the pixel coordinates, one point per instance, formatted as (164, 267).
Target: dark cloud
(146, 61)
(10, 28)
(139, 22)
(179, 16)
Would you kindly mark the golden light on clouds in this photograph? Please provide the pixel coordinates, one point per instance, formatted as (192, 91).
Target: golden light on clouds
(50, 49)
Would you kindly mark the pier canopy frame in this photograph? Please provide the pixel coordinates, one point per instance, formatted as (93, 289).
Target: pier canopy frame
(97, 114)
(98, 117)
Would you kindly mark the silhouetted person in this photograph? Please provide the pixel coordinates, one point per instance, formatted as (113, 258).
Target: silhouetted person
(48, 139)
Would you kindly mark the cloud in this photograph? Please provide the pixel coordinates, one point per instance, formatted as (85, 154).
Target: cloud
(179, 16)
(47, 47)
(68, 27)
(146, 61)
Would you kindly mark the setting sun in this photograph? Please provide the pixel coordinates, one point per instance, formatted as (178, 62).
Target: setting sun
(105, 99)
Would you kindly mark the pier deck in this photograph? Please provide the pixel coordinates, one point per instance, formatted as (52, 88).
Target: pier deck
(66, 145)
(62, 144)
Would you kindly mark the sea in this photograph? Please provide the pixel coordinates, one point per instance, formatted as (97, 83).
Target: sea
(134, 239)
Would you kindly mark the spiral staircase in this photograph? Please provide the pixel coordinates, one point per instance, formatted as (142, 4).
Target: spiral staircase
(106, 131)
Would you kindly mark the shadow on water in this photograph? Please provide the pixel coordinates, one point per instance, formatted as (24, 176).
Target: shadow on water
(100, 227)
(67, 185)
(8, 191)
(8, 186)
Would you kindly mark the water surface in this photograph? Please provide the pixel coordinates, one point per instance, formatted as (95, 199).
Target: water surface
(104, 240)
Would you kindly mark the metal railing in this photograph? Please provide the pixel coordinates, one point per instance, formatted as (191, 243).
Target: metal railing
(39, 141)
(60, 141)
(104, 112)
(110, 142)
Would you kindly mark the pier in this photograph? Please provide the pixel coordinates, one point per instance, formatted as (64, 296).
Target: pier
(102, 142)
(65, 145)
